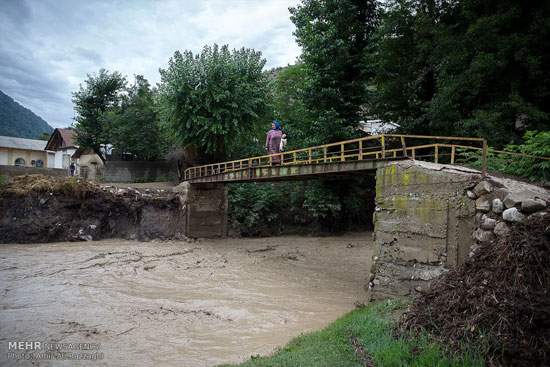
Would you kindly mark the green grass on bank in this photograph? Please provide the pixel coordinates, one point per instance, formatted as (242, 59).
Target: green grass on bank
(371, 327)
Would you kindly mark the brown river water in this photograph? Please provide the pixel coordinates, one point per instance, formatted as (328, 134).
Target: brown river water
(198, 303)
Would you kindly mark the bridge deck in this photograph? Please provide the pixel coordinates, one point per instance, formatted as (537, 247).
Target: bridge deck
(290, 172)
(351, 158)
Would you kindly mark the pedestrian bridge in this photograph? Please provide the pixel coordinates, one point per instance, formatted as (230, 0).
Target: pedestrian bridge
(344, 159)
(425, 215)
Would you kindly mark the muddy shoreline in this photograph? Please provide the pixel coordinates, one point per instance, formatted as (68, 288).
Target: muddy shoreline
(181, 303)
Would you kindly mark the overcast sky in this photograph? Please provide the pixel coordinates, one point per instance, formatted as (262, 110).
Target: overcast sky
(47, 47)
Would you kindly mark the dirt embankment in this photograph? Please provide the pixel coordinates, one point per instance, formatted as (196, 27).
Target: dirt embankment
(501, 296)
(36, 208)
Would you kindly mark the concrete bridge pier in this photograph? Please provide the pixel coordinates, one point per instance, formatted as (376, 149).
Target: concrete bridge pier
(423, 225)
(204, 209)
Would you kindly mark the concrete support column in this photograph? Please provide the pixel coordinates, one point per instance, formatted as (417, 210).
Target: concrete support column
(204, 208)
(423, 226)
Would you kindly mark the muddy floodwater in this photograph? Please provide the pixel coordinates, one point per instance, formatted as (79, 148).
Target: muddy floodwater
(176, 303)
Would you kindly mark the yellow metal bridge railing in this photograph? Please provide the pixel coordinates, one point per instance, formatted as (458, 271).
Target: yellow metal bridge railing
(368, 148)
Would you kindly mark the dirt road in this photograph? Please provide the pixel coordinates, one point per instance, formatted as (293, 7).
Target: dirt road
(178, 303)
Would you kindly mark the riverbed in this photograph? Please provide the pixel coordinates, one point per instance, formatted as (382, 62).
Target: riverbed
(198, 303)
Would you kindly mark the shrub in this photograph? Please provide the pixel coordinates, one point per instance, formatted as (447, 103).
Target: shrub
(536, 143)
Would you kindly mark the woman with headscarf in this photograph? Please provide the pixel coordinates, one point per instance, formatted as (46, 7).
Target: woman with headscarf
(273, 142)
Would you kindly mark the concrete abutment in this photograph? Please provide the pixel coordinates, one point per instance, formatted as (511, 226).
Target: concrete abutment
(204, 209)
(423, 226)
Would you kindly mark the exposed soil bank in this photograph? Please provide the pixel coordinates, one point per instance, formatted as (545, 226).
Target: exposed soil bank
(196, 303)
(38, 208)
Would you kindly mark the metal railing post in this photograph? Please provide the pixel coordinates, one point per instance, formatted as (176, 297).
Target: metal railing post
(484, 159)
(453, 154)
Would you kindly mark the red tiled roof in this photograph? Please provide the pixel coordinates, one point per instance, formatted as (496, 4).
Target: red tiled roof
(67, 135)
(61, 139)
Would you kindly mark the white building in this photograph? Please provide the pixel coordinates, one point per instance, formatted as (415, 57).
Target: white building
(24, 152)
(60, 148)
(377, 127)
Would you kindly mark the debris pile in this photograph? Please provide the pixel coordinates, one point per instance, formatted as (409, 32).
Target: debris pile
(500, 296)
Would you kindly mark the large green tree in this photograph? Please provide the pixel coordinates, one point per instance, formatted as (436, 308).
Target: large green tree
(100, 93)
(336, 37)
(289, 108)
(469, 67)
(132, 125)
(214, 100)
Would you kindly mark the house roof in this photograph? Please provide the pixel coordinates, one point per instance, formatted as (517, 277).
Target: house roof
(20, 143)
(61, 139)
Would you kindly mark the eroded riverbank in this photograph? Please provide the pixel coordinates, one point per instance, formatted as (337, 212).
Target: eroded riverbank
(179, 303)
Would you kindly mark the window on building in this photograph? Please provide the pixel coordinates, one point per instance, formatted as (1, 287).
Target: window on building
(19, 162)
(39, 163)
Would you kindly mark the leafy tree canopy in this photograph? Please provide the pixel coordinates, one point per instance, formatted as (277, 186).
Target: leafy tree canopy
(214, 100)
(101, 92)
(336, 39)
(132, 125)
(469, 67)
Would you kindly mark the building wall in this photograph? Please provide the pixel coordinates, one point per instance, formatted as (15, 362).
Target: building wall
(90, 166)
(51, 160)
(9, 155)
(127, 171)
(3, 156)
(18, 171)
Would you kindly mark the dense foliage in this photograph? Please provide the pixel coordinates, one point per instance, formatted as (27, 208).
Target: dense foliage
(465, 68)
(318, 205)
(20, 122)
(101, 92)
(535, 144)
(336, 40)
(214, 100)
(133, 126)
(111, 114)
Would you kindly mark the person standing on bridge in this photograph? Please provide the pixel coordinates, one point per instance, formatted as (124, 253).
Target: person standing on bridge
(273, 142)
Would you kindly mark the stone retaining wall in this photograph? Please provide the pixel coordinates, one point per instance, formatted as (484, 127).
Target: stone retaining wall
(500, 203)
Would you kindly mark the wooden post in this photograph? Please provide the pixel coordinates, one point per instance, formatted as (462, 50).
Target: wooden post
(453, 154)
(294, 158)
(484, 159)
(360, 156)
(404, 146)
(436, 153)
(324, 154)
(309, 155)
(413, 153)
(383, 147)
(342, 153)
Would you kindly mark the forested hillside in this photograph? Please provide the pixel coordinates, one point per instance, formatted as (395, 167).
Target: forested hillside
(18, 121)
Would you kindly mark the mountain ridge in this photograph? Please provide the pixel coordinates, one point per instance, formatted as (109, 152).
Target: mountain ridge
(19, 121)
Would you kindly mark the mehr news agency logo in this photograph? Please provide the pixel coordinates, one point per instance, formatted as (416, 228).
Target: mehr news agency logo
(35, 350)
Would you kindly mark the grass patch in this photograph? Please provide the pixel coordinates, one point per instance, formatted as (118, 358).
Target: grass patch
(2, 180)
(370, 327)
